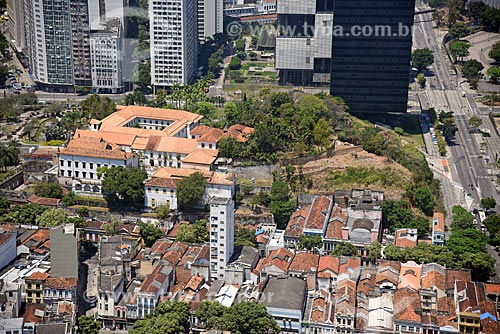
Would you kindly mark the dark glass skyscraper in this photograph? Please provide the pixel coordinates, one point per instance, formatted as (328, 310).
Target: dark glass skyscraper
(371, 54)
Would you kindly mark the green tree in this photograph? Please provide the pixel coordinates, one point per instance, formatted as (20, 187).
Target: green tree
(235, 63)
(69, 199)
(144, 77)
(465, 241)
(475, 122)
(424, 200)
(281, 206)
(162, 212)
(375, 252)
(83, 211)
(52, 217)
(244, 236)
(459, 30)
(4, 205)
(495, 52)
(345, 249)
(247, 318)
(310, 242)
(124, 187)
(482, 265)
(322, 133)
(209, 312)
(471, 69)
(461, 218)
(421, 81)
(488, 203)
(88, 325)
(492, 223)
(185, 233)
(150, 233)
(98, 107)
(459, 50)
(170, 317)
(190, 190)
(494, 73)
(193, 233)
(49, 189)
(247, 187)
(421, 58)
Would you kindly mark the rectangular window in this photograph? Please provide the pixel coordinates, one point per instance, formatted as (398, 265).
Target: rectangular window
(76, 164)
(69, 163)
(149, 190)
(91, 165)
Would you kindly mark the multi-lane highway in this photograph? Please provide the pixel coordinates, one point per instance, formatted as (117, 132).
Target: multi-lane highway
(469, 163)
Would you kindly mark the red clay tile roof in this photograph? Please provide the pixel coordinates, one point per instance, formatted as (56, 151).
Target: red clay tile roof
(403, 239)
(29, 313)
(409, 276)
(41, 235)
(65, 307)
(346, 297)
(175, 252)
(439, 227)
(160, 246)
(296, 223)
(60, 283)
(213, 135)
(304, 261)
(328, 264)
(433, 279)
(334, 229)
(161, 182)
(94, 225)
(453, 275)
(493, 288)
(195, 282)
(95, 147)
(317, 213)
(44, 200)
(349, 262)
(200, 130)
(407, 305)
(280, 258)
(182, 277)
(154, 281)
(388, 271)
(38, 276)
(240, 132)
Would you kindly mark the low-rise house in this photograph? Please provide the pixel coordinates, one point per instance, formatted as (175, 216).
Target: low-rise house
(433, 286)
(241, 264)
(319, 313)
(161, 188)
(388, 275)
(406, 237)
(285, 307)
(303, 264)
(328, 271)
(407, 316)
(276, 263)
(56, 289)
(438, 229)
(155, 286)
(33, 286)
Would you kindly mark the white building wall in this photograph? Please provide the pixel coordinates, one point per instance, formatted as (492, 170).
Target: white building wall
(210, 18)
(221, 236)
(296, 7)
(7, 252)
(174, 41)
(106, 61)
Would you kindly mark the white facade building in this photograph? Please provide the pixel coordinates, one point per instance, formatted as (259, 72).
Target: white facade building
(81, 161)
(15, 12)
(210, 18)
(174, 41)
(7, 249)
(105, 56)
(221, 235)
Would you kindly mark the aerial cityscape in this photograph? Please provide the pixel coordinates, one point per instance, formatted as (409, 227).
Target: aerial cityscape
(249, 166)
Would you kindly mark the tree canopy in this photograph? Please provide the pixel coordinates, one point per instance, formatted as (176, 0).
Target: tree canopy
(190, 190)
(150, 233)
(88, 325)
(52, 217)
(488, 203)
(170, 317)
(310, 242)
(193, 233)
(461, 218)
(422, 58)
(124, 187)
(97, 106)
(495, 52)
(345, 249)
(281, 206)
(49, 189)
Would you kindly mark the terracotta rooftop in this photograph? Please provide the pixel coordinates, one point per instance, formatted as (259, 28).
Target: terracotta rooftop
(296, 223)
(60, 283)
(124, 139)
(96, 148)
(493, 288)
(201, 156)
(160, 246)
(406, 238)
(161, 183)
(212, 135)
(407, 305)
(328, 265)
(240, 132)
(44, 200)
(388, 271)
(305, 262)
(38, 276)
(200, 130)
(174, 253)
(345, 302)
(280, 258)
(154, 281)
(194, 283)
(179, 173)
(453, 275)
(438, 222)
(433, 279)
(334, 229)
(409, 275)
(32, 312)
(318, 213)
(125, 114)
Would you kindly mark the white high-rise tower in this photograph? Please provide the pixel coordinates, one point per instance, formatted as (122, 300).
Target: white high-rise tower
(221, 235)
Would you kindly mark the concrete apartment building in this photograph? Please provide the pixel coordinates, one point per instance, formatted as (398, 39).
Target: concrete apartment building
(173, 42)
(210, 18)
(17, 33)
(221, 235)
